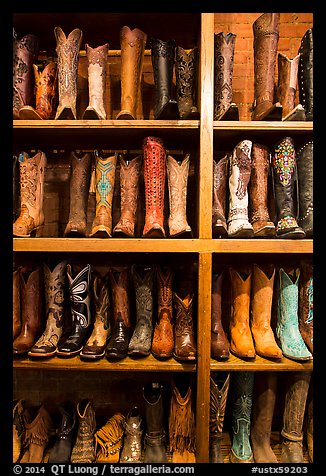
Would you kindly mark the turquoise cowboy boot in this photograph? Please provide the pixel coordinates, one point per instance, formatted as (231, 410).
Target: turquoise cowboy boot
(243, 384)
(287, 328)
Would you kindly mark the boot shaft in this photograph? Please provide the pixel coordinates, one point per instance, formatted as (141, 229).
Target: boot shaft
(163, 54)
(31, 300)
(240, 292)
(305, 185)
(105, 168)
(220, 186)
(186, 70)
(79, 292)
(45, 88)
(32, 171)
(262, 294)
(258, 185)
(153, 398)
(287, 81)
(154, 156)
(165, 295)
(240, 171)
(55, 291)
(177, 174)
(96, 70)
(306, 304)
(306, 93)
(182, 436)
(16, 297)
(223, 72)
(219, 390)
(288, 294)
(119, 280)
(295, 404)
(101, 303)
(143, 279)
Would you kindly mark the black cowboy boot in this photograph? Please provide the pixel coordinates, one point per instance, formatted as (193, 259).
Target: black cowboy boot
(186, 70)
(65, 434)
(305, 74)
(155, 451)
(305, 185)
(219, 389)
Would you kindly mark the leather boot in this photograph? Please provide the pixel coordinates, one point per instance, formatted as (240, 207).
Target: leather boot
(219, 388)
(31, 310)
(287, 328)
(67, 49)
(109, 440)
(119, 341)
(242, 344)
(258, 192)
(155, 451)
(25, 53)
(163, 338)
(283, 172)
(141, 340)
(132, 57)
(38, 426)
(184, 339)
(96, 343)
(16, 302)
(262, 416)
(163, 54)
(305, 76)
(83, 450)
(287, 87)
(46, 78)
(96, 63)
(219, 341)
(266, 35)
(129, 191)
(293, 417)
(105, 180)
(46, 345)
(132, 440)
(186, 71)
(15, 188)
(220, 186)
(65, 434)
(154, 176)
(306, 304)
(305, 185)
(79, 291)
(79, 188)
(177, 182)
(17, 429)
(224, 108)
(242, 392)
(240, 170)
(261, 310)
(31, 171)
(309, 423)
(182, 427)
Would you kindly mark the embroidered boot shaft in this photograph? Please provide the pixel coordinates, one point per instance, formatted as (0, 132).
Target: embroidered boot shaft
(109, 440)
(65, 434)
(306, 304)
(38, 425)
(163, 338)
(305, 75)
(220, 186)
(287, 82)
(84, 448)
(186, 70)
(16, 299)
(17, 429)
(177, 182)
(96, 62)
(305, 185)
(184, 338)
(15, 188)
(219, 389)
(219, 341)
(132, 440)
(155, 451)
(133, 44)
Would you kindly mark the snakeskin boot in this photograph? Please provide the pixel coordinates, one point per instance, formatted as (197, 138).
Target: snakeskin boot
(83, 450)
(305, 76)
(219, 389)
(163, 338)
(186, 71)
(96, 63)
(132, 447)
(177, 183)
(220, 186)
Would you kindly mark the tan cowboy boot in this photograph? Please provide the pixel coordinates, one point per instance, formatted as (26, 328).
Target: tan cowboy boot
(163, 339)
(109, 440)
(32, 171)
(97, 60)
(287, 87)
(177, 182)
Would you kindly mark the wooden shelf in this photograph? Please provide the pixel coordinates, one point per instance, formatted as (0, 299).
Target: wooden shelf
(284, 126)
(260, 364)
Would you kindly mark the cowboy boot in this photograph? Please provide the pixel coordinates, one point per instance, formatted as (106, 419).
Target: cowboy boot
(65, 434)
(132, 441)
(105, 180)
(184, 339)
(141, 340)
(219, 388)
(262, 416)
(177, 182)
(242, 344)
(306, 304)
(287, 87)
(154, 176)
(240, 170)
(287, 328)
(258, 192)
(163, 338)
(25, 53)
(242, 391)
(309, 423)
(266, 35)
(67, 50)
(31, 171)
(96, 62)
(163, 53)
(129, 190)
(46, 345)
(219, 341)
(283, 172)
(109, 440)
(305, 76)
(15, 188)
(46, 78)
(224, 108)
(96, 343)
(293, 417)
(17, 429)
(155, 451)
(31, 310)
(305, 185)
(79, 293)
(38, 426)
(132, 57)
(118, 344)
(186, 70)
(83, 450)
(79, 188)
(220, 184)
(261, 310)
(16, 302)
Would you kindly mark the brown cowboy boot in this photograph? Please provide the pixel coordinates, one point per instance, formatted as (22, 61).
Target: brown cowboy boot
(32, 171)
(96, 59)
(287, 87)
(132, 56)
(16, 306)
(163, 339)
(17, 429)
(265, 387)
(258, 192)
(220, 186)
(84, 448)
(79, 188)
(38, 425)
(105, 180)
(309, 423)
(306, 304)
(184, 339)
(186, 70)
(67, 50)
(219, 388)
(219, 341)
(129, 189)
(154, 176)
(155, 451)
(177, 182)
